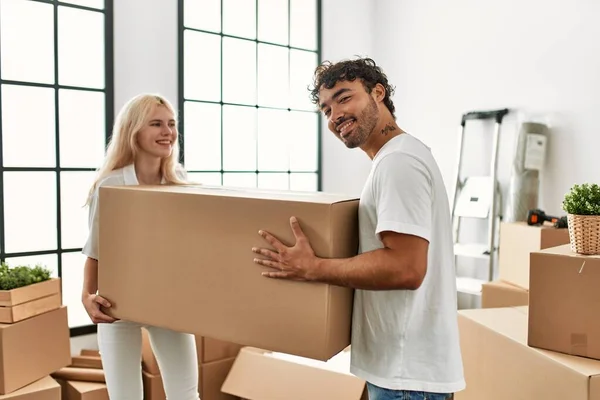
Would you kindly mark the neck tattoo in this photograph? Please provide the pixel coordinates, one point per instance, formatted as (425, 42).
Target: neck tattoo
(388, 128)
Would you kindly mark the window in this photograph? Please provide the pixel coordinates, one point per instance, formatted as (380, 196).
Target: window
(56, 107)
(244, 71)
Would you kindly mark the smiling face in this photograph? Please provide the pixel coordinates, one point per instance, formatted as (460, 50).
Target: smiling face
(158, 136)
(352, 113)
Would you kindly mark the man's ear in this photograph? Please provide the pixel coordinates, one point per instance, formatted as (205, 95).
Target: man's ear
(378, 92)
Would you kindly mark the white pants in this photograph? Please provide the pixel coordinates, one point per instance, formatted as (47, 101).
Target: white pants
(120, 345)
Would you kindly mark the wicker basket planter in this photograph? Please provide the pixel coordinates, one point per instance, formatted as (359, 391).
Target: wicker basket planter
(584, 233)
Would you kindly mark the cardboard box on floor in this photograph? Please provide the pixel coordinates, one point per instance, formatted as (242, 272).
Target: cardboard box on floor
(180, 257)
(77, 390)
(517, 241)
(263, 375)
(564, 302)
(499, 365)
(42, 389)
(503, 294)
(33, 348)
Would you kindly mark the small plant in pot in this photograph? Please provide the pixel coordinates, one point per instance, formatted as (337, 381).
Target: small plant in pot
(582, 205)
(21, 276)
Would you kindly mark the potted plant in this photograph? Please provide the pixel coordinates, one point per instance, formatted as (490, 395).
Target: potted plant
(21, 276)
(582, 205)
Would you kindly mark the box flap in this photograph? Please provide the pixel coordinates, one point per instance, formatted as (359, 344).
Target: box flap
(44, 384)
(87, 387)
(262, 375)
(251, 193)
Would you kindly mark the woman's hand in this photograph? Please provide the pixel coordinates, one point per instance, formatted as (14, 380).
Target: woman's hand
(92, 303)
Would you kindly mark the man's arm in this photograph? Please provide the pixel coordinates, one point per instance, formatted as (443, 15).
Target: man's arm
(400, 264)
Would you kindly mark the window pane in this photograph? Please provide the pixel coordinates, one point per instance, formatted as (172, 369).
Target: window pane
(273, 21)
(274, 181)
(30, 211)
(202, 136)
(304, 141)
(303, 24)
(302, 68)
(239, 18)
(49, 261)
(80, 47)
(273, 140)
(28, 142)
(206, 178)
(72, 283)
(273, 85)
(202, 14)
(74, 187)
(99, 4)
(27, 41)
(82, 128)
(303, 182)
(239, 71)
(239, 179)
(239, 138)
(202, 66)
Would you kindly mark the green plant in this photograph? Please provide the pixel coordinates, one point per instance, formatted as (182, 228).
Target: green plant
(19, 276)
(582, 200)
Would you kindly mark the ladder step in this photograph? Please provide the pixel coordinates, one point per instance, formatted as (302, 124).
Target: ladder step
(469, 285)
(472, 250)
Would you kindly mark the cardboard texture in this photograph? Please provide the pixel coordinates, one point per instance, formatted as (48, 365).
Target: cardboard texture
(517, 241)
(502, 294)
(564, 301)
(153, 387)
(86, 362)
(80, 374)
(149, 363)
(42, 389)
(90, 352)
(33, 348)
(74, 390)
(204, 269)
(262, 375)
(212, 376)
(213, 350)
(12, 314)
(499, 365)
(9, 298)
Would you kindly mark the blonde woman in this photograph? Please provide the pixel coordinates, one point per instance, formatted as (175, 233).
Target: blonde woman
(143, 150)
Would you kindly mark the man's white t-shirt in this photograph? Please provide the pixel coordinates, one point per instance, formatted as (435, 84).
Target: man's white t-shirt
(408, 339)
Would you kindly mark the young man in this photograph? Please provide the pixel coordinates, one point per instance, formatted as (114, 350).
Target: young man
(405, 340)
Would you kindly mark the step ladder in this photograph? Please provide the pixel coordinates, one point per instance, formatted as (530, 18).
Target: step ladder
(478, 197)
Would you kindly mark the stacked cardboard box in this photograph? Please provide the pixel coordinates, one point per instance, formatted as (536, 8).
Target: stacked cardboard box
(34, 341)
(202, 278)
(517, 241)
(215, 358)
(549, 349)
(84, 378)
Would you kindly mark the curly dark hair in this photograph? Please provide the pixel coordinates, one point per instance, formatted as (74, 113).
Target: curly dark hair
(328, 74)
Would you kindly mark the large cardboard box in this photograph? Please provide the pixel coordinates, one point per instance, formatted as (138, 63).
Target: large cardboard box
(499, 365)
(502, 294)
(517, 241)
(214, 350)
(263, 375)
(42, 389)
(180, 257)
(153, 387)
(33, 348)
(564, 301)
(212, 376)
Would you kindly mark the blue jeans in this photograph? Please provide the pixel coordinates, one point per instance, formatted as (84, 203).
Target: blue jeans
(378, 393)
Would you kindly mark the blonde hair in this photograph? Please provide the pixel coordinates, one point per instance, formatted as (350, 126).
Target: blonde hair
(123, 147)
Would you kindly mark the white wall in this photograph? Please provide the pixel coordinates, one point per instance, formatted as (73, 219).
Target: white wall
(346, 32)
(537, 56)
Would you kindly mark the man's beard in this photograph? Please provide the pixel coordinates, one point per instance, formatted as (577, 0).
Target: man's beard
(364, 125)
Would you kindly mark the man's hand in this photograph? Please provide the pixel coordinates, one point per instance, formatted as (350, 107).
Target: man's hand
(298, 262)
